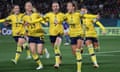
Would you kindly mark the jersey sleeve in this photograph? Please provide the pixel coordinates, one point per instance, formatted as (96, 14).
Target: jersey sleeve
(2, 20)
(46, 17)
(39, 19)
(65, 17)
(90, 16)
(101, 26)
(6, 19)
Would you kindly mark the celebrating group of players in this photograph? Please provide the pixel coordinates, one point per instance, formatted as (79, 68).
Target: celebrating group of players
(27, 32)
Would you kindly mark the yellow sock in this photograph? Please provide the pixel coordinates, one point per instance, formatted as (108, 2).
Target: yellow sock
(26, 46)
(57, 54)
(28, 51)
(43, 51)
(79, 60)
(92, 53)
(18, 53)
(57, 49)
(36, 58)
(57, 58)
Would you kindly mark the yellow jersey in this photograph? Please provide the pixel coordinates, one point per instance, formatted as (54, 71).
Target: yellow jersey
(89, 27)
(55, 22)
(17, 25)
(75, 27)
(34, 28)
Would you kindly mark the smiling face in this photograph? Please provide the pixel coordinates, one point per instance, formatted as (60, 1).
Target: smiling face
(83, 10)
(70, 7)
(28, 6)
(55, 7)
(16, 9)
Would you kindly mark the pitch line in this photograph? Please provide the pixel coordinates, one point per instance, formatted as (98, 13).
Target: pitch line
(108, 52)
(104, 53)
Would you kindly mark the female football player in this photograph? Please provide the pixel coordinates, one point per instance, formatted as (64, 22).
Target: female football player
(75, 32)
(91, 35)
(18, 31)
(35, 32)
(56, 30)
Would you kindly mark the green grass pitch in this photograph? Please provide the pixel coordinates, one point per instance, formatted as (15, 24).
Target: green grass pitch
(108, 57)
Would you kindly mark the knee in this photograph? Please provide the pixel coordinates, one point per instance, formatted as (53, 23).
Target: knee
(20, 43)
(88, 42)
(40, 52)
(33, 51)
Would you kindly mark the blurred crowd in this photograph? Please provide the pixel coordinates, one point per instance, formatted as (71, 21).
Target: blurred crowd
(106, 8)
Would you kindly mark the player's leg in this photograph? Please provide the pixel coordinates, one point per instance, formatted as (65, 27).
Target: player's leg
(20, 42)
(26, 46)
(40, 46)
(57, 51)
(67, 38)
(45, 51)
(33, 44)
(83, 44)
(73, 44)
(96, 44)
(78, 54)
(91, 51)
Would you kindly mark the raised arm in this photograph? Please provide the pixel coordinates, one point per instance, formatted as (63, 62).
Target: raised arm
(5, 19)
(90, 16)
(2, 20)
(101, 26)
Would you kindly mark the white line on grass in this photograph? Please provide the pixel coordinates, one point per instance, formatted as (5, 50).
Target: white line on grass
(107, 52)
(104, 53)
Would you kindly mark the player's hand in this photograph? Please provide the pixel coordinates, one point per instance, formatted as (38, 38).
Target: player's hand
(6, 23)
(98, 16)
(46, 24)
(66, 33)
(20, 22)
(18, 33)
(26, 23)
(104, 32)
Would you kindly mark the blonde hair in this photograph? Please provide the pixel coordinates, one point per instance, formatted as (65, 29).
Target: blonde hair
(34, 9)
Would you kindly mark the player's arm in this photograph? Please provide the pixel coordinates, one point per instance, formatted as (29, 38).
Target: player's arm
(2, 20)
(45, 19)
(39, 19)
(90, 16)
(101, 26)
(6, 19)
(35, 21)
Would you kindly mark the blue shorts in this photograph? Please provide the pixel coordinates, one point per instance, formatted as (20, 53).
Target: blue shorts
(74, 40)
(53, 38)
(17, 37)
(93, 39)
(37, 40)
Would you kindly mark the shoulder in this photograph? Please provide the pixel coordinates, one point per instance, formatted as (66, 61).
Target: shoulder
(11, 16)
(61, 13)
(66, 14)
(77, 13)
(49, 13)
(35, 13)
